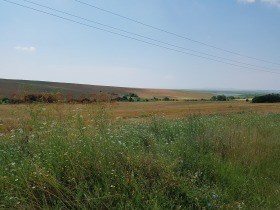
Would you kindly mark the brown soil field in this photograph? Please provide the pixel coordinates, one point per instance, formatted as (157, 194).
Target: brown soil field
(10, 87)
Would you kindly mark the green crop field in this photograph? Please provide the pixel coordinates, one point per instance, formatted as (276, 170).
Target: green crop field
(55, 158)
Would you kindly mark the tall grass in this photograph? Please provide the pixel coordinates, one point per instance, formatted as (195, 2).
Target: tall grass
(60, 157)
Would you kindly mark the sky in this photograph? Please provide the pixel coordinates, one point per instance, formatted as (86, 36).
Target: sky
(37, 46)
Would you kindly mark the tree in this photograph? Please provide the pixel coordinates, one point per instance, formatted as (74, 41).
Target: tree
(124, 98)
(133, 95)
(214, 98)
(269, 98)
(219, 98)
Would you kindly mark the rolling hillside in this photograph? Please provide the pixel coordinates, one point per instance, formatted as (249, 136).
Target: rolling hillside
(9, 87)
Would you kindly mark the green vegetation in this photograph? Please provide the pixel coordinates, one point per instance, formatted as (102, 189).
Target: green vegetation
(85, 159)
(238, 94)
(222, 98)
(269, 98)
(57, 97)
(132, 97)
(4, 100)
(219, 98)
(166, 99)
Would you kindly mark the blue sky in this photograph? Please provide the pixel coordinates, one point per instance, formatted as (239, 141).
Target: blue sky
(36, 46)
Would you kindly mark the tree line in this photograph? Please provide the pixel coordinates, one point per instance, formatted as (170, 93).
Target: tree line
(269, 98)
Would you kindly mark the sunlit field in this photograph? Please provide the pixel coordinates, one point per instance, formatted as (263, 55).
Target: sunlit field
(154, 155)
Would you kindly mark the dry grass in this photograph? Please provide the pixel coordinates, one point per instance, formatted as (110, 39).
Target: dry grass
(182, 109)
(9, 114)
(167, 108)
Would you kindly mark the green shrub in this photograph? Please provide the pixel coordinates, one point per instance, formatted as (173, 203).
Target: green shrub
(5, 100)
(166, 99)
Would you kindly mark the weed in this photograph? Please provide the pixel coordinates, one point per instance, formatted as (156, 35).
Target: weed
(64, 158)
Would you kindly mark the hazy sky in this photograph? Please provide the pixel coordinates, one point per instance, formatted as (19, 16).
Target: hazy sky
(37, 46)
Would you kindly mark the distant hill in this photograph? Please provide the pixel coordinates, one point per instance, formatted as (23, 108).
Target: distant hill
(9, 87)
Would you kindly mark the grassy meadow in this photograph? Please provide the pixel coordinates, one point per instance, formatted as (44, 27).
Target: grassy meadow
(88, 157)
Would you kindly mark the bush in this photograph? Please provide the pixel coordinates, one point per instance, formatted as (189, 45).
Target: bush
(5, 100)
(130, 97)
(230, 98)
(133, 95)
(219, 98)
(269, 98)
(85, 100)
